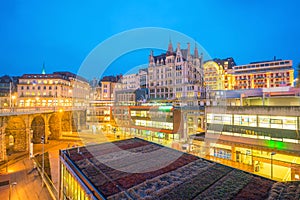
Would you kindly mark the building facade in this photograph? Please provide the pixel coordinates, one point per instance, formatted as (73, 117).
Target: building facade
(218, 74)
(267, 74)
(262, 140)
(107, 85)
(52, 90)
(159, 122)
(99, 111)
(226, 75)
(8, 89)
(175, 74)
(99, 115)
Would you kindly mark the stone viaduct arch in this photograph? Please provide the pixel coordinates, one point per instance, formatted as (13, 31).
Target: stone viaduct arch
(24, 127)
(15, 128)
(55, 126)
(37, 126)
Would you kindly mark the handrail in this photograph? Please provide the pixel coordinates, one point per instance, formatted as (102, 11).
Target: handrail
(49, 184)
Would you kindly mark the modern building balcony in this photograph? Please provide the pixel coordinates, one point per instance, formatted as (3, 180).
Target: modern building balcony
(266, 144)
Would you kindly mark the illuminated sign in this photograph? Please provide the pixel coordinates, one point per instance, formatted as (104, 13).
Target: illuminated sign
(275, 144)
(165, 108)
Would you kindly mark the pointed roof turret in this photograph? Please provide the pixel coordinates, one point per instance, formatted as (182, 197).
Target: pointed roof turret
(188, 50)
(196, 54)
(170, 48)
(151, 58)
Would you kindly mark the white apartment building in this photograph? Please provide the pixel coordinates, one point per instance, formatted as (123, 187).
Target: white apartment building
(130, 81)
(133, 81)
(176, 75)
(51, 90)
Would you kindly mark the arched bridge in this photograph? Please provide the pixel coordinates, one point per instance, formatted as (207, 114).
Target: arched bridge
(19, 127)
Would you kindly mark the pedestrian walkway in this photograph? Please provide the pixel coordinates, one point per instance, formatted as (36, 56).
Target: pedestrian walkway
(54, 163)
(24, 183)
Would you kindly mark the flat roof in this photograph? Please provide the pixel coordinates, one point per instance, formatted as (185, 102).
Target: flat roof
(138, 169)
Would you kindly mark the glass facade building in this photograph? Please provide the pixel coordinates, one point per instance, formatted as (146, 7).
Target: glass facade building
(262, 140)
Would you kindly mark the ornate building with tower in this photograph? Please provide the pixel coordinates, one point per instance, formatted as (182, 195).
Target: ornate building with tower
(176, 75)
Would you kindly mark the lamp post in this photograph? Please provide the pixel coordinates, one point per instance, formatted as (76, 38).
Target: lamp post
(13, 97)
(30, 144)
(43, 160)
(272, 154)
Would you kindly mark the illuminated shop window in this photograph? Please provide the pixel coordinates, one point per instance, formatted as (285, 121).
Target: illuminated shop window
(245, 120)
(289, 123)
(227, 119)
(264, 121)
(278, 122)
(217, 119)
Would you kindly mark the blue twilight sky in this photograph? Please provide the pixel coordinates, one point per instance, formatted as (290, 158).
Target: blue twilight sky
(63, 33)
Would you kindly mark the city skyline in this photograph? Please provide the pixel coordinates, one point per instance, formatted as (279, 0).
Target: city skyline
(61, 35)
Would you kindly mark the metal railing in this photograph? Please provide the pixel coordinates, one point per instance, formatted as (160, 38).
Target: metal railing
(32, 110)
(47, 181)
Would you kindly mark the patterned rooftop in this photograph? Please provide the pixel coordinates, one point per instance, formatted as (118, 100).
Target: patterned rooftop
(138, 169)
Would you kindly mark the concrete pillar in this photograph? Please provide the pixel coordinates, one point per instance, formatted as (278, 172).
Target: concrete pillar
(202, 123)
(233, 153)
(207, 148)
(27, 137)
(241, 99)
(78, 121)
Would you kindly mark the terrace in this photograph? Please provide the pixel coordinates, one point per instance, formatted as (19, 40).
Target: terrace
(138, 169)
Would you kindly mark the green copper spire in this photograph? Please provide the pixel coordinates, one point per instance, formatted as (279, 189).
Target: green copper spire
(43, 70)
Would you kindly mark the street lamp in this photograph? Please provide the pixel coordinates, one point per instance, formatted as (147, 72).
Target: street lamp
(13, 97)
(30, 144)
(43, 160)
(272, 154)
